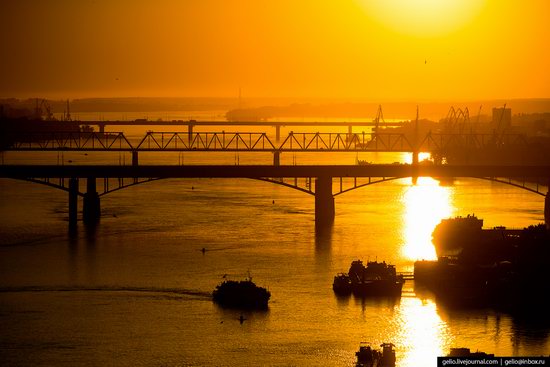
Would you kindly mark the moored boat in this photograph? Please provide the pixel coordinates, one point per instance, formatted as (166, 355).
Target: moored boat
(376, 279)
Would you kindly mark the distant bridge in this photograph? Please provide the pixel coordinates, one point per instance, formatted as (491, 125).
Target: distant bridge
(315, 180)
(190, 124)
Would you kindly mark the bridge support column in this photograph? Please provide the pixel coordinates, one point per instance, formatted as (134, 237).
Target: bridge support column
(73, 202)
(324, 201)
(91, 210)
(135, 160)
(415, 155)
(101, 128)
(277, 158)
(278, 133)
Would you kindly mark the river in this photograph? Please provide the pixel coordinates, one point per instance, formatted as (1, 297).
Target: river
(135, 290)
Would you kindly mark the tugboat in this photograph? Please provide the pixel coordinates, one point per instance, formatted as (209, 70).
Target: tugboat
(243, 294)
(369, 357)
(376, 279)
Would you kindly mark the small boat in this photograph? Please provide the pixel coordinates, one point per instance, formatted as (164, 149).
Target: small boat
(369, 357)
(242, 294)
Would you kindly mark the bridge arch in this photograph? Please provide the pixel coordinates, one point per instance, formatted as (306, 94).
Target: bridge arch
(382, 179)
(538, 188)
(285, 184)
(132, 183)
(45, 183)
(61, 184)
(273, 181)
(502, 180)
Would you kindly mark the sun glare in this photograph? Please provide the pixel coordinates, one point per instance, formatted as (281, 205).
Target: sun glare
(423, 17)
(426, 204)
(424, 334)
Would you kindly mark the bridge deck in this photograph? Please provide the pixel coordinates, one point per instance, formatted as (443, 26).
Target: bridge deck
(259, 171)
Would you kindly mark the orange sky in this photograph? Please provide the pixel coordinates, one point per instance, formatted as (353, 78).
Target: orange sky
(403, 50)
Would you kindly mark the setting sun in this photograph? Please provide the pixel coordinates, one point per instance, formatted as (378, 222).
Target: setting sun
(423, 17)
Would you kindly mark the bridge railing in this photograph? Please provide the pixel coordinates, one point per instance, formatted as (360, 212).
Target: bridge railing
(255, 141)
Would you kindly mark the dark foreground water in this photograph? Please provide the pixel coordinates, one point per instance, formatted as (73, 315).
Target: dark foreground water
(136, 289)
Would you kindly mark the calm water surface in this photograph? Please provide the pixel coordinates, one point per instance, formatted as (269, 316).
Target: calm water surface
(136, 289)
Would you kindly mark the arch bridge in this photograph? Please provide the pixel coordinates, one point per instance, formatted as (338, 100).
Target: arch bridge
(324, 182)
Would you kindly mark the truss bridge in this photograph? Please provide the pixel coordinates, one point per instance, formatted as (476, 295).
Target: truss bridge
(435, 143)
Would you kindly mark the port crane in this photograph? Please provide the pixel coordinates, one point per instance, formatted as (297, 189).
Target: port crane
(379, 116)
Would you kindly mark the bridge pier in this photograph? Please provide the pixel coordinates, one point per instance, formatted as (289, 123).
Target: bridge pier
(91, 209)
(277, 158)
(135, 160)
(101, 128)
(324, 201)
(73, 202)
(277, 133)
(415, 155)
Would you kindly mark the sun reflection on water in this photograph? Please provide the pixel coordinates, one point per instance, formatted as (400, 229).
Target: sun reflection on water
(426, 203)
(423, 335)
